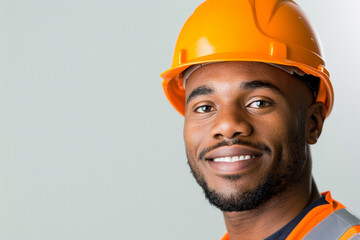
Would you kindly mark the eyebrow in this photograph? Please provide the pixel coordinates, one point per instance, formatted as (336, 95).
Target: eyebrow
(199, 91)
(258, 84)
(252, 85)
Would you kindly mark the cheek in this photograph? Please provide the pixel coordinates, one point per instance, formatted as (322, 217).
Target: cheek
(194, 133)
(284, 134)
(278, 133)
(271, 129)
(278, 126)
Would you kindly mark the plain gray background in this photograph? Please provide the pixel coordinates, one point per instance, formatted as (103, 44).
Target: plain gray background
(89, 146)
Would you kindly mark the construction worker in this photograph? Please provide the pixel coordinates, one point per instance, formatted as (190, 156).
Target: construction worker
(249, 78)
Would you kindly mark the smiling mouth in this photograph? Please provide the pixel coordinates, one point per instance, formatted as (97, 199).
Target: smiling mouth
(231, 159)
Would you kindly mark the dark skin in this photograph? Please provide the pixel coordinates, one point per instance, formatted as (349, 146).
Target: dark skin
(276, 114)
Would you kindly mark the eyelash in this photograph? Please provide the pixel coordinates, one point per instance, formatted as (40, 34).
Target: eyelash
(267, 104)
(204, 111)
(210, 108)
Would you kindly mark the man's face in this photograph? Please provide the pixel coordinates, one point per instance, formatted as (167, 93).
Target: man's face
(245, 132)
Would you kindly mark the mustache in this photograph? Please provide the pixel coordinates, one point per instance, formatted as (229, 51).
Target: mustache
(237, 141)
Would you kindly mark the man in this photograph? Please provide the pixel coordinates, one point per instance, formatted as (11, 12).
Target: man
(249, 78)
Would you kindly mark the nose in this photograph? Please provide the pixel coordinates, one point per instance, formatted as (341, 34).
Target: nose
(231, 123)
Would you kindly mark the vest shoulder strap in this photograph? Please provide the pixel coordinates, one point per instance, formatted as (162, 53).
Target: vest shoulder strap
(333, 226)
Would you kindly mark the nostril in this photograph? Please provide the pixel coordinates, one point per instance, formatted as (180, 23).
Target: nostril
(218, 135)
(236, 134)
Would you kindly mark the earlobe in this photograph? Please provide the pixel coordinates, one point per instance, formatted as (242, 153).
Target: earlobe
(315, 119)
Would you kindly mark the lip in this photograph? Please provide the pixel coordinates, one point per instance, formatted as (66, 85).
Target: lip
(230, 151)
(232, 168)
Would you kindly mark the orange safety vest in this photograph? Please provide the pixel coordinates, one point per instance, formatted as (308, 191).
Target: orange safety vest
(325, 222)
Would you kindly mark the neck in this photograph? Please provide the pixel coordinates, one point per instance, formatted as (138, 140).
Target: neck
(273, 215)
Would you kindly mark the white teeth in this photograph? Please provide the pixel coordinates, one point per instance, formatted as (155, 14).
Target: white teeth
(233, 159)
(222, 159)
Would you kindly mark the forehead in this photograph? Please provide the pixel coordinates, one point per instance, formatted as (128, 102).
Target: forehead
(236, 73)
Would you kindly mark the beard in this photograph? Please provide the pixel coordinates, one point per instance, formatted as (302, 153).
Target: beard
(287, 172)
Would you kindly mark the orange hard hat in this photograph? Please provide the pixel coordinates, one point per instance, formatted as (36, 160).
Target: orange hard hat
(272, 31)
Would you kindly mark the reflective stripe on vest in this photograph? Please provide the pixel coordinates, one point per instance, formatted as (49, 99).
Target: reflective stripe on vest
(334, 226)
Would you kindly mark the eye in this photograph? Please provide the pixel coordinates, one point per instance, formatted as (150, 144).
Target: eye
(259, 104)
(204, 109)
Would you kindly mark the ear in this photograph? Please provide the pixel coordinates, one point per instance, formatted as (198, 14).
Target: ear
(315, 119)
